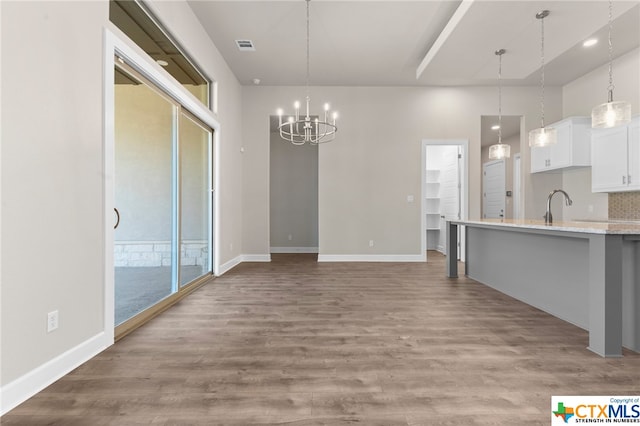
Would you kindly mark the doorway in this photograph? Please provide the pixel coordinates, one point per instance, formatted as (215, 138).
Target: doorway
(510, 127)
(293, 195)
(444, 191)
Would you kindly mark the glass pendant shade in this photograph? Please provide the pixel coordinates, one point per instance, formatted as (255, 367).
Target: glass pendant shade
(499, 151)
(610, 114)
(543, 136)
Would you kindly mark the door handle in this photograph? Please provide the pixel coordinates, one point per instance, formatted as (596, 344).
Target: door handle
(117, 218)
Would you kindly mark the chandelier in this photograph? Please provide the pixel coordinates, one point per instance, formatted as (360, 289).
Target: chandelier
(611, 113)
(300, 129)
(500, 150)
(542, 136)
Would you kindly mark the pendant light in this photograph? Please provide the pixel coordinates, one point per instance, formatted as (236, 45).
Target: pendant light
(610, 114)
(500, 150)
(542, 136)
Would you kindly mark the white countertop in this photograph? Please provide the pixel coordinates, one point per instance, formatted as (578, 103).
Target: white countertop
(612, 227)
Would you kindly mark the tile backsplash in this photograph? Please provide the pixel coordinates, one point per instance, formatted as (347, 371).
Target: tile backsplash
(624, 205)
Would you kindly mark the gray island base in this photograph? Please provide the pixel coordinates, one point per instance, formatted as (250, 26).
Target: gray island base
(586, 273)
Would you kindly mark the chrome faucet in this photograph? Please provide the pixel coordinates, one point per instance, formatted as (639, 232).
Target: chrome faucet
(548, 218)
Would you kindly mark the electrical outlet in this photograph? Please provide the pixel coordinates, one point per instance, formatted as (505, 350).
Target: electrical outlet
(370, 243)
(52, 321)
(290, 237)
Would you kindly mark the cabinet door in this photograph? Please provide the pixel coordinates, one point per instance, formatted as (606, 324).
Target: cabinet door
(560, 153)
(609, 159)
(634, 155)
(540, 159)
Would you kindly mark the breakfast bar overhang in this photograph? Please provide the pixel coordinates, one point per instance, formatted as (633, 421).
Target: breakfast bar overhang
(586, 273)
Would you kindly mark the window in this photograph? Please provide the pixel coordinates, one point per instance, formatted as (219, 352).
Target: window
(144, 29)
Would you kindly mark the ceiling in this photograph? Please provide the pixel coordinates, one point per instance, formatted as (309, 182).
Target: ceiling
(510, 128)
(384, 43)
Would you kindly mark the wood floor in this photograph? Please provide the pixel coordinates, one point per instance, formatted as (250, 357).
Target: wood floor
(300, 343)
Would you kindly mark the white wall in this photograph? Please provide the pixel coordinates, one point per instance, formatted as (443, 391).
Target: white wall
(52, 180)
(366, 174)
(578, 98)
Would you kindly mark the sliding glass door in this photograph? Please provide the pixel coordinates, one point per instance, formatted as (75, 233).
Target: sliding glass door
(163, 176)
(195, 190)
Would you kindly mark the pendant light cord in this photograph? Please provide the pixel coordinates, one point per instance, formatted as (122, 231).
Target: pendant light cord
(542, 73)
(499, 53)
(610, 88)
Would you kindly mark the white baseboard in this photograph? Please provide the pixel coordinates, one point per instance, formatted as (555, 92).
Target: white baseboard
(256, 258)
(226, 267)
(23, 388)
(294, 249)
(372, 257)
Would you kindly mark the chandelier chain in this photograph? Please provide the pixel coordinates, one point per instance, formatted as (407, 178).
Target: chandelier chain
(308, 60)
(302, 127)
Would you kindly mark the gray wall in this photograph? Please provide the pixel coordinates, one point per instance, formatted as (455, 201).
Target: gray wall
(293, 194)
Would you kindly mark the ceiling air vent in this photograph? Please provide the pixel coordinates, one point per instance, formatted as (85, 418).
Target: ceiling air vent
(245, 46)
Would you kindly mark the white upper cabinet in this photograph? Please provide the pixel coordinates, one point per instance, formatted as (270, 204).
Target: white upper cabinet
(616, 158)
(572, 150)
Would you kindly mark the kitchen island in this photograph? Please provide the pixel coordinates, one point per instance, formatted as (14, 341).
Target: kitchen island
(586, 273)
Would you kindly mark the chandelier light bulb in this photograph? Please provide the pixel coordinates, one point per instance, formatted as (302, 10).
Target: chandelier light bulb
(279, 112)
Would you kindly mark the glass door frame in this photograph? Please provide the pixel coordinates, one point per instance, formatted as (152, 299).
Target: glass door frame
(121, 46)
(210, 201)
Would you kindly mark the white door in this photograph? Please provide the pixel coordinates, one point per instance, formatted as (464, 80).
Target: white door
(516, 186)
(449, 190)
(493, 184)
